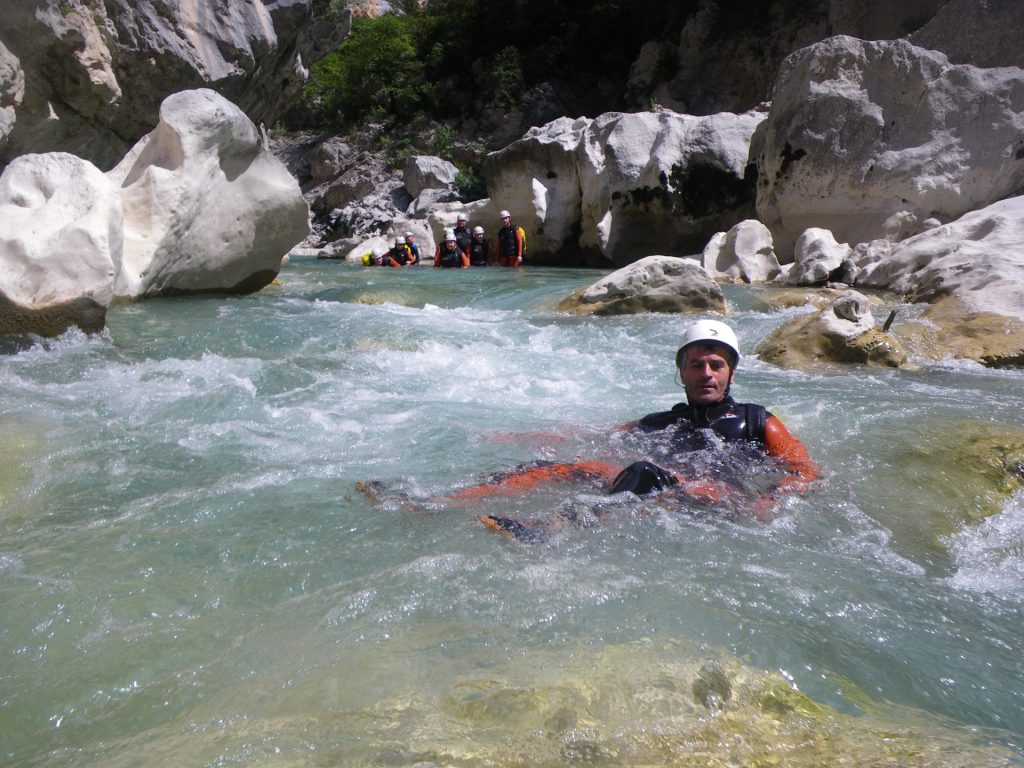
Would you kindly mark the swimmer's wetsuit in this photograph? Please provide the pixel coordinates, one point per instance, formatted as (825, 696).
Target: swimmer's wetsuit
(692, 428)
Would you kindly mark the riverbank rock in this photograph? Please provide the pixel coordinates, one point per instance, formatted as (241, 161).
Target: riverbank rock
(95, 74)
(60, 244)
(743, 254)
(870, 139)
(816, 257)
(622, 186)
(206, 207)
(428, 172)
(972, 270)
(652, 284)
(843, 332)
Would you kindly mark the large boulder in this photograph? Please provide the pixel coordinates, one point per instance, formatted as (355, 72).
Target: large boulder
(985, 33)
(972, 269)
(816, 257)
(842, 332)
(727, 55)
(871, 139)
(745, 253)
(60, 244)
(428, 172)
(623, 186)
(95, 73)
(652, 284)
(206, 206)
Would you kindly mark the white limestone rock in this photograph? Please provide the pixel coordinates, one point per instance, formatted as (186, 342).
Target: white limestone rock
(870, 139)
(817, 255)
(12, 91)
(429, 200)
(206, 207)
(428, 172)
(652, 284)
(97, 72)
(60, 244)
(482, 213)
(622, 186)
(744, 253)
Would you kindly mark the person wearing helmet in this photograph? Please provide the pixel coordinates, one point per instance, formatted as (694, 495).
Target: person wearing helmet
(509, 243)
(463, 237)
(479, 249)
(707, 358)
(414, 250)
(448, 254)
(399, 255)
(706, 361)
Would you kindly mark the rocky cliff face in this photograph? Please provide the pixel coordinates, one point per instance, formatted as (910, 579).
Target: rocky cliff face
(88, 77)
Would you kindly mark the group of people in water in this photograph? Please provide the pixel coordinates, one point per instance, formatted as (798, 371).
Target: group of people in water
(461, 248)
(708, 450)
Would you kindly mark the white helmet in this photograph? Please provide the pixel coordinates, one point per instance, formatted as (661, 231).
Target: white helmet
(399, 240)
(378, 253)
(710, 331)
(449, 237)
(505, 215)
(409, 234)
(478, 230)
(462, 217)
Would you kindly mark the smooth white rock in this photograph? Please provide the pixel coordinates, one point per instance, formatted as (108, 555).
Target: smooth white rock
(816, 255)
(744, 253)
(428, 172)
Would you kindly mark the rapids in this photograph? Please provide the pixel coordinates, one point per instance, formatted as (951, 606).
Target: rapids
(190, 577)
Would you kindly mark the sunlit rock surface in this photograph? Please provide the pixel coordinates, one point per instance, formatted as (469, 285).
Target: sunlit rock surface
(60, 244)
(870, 139)
(206, 207)
(95, 74)
(622, 186)
(816, 256)
(843, 332)
(743, 254)
(653, 284)
(972, 269)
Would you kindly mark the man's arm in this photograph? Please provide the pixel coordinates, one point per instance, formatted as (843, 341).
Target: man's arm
(781, 444)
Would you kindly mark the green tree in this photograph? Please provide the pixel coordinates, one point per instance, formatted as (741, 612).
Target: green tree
(375, 72)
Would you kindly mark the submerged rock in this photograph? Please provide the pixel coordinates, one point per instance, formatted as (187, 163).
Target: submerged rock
(653, 284)
(842, 332)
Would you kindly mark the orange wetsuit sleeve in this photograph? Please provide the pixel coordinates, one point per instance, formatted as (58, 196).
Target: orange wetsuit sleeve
(465, 258)
(781, 444)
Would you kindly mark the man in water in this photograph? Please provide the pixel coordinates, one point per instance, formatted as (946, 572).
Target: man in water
(709, 421)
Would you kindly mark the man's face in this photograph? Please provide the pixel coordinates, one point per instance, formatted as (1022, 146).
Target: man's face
(450, 245)
(705, 373)
(506, 220)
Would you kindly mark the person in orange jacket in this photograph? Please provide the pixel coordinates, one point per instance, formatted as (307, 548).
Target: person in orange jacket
(509, 243)
(707, 359)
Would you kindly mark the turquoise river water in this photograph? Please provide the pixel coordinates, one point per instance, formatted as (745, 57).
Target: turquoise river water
(190, 577)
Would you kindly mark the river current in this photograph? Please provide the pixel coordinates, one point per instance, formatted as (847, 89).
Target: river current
(190, 576)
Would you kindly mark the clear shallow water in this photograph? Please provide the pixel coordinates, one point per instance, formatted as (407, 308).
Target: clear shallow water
(190, 577)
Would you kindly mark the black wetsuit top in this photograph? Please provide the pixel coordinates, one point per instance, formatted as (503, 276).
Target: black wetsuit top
(463, 237)
(450, 259)
(729, 419)
(693, 428)
(478, 253)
